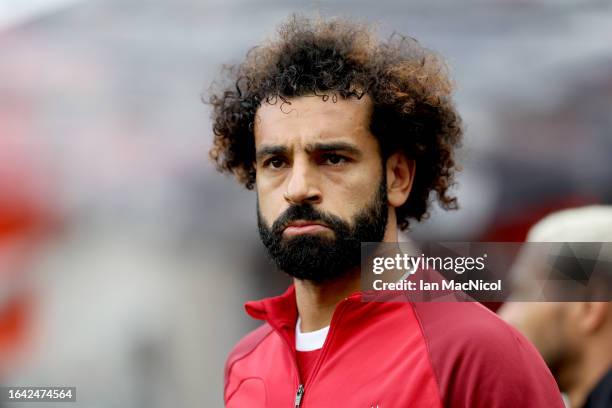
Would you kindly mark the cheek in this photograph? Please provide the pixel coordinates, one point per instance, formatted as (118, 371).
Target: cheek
(528, 317)
(542, 325)
(338, 199)
(271, 202)
(348, 193)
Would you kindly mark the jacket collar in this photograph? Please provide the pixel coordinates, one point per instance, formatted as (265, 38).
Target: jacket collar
(278, 311)
(281, 311)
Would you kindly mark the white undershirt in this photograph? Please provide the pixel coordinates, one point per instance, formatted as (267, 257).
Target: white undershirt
(309, 341)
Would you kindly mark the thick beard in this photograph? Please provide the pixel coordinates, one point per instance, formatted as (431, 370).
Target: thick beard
(320, 258)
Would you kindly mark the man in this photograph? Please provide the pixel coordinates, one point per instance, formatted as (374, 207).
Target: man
(345, 138)
(575, 338)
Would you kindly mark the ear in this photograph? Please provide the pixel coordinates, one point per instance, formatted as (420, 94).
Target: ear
(400, 175)
(593, 315)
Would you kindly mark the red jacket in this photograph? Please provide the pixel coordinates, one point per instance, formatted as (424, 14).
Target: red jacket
(387, 355)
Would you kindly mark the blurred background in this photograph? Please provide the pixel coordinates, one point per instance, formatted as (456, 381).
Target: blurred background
(125, 259)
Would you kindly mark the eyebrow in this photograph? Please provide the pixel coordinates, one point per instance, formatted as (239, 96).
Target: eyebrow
(270, 151)
(334, 146)
(310, 148)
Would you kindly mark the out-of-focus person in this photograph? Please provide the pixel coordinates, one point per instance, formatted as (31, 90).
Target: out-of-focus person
(575, 338)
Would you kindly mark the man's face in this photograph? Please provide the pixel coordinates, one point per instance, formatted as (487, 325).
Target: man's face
(320, 184)
(548, 325)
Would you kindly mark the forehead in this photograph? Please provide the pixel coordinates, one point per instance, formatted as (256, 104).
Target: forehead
(309, 118)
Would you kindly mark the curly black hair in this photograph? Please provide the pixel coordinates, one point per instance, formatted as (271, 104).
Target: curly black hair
(408, 84)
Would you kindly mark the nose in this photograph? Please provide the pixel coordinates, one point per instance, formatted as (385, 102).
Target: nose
(302, 184)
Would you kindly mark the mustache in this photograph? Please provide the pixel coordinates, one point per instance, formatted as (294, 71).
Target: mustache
(304, 212)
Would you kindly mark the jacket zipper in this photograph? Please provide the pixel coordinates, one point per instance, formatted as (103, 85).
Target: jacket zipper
(298, 396)
(300, 390)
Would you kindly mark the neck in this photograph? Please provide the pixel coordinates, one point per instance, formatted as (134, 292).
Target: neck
(316, 302)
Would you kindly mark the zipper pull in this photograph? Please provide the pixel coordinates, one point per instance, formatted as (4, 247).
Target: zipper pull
(298, 396)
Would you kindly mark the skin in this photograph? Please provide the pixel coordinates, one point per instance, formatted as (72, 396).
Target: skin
(573, 337)
(323, 153)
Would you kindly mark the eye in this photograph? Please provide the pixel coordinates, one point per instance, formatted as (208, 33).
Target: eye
(275, 163)
(334, 159)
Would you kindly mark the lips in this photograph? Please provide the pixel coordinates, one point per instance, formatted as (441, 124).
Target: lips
(305, 227)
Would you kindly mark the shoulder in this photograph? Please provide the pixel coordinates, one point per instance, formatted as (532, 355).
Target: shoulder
(480, 360)
(247, 345)
(469, 337)
(466, 326)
